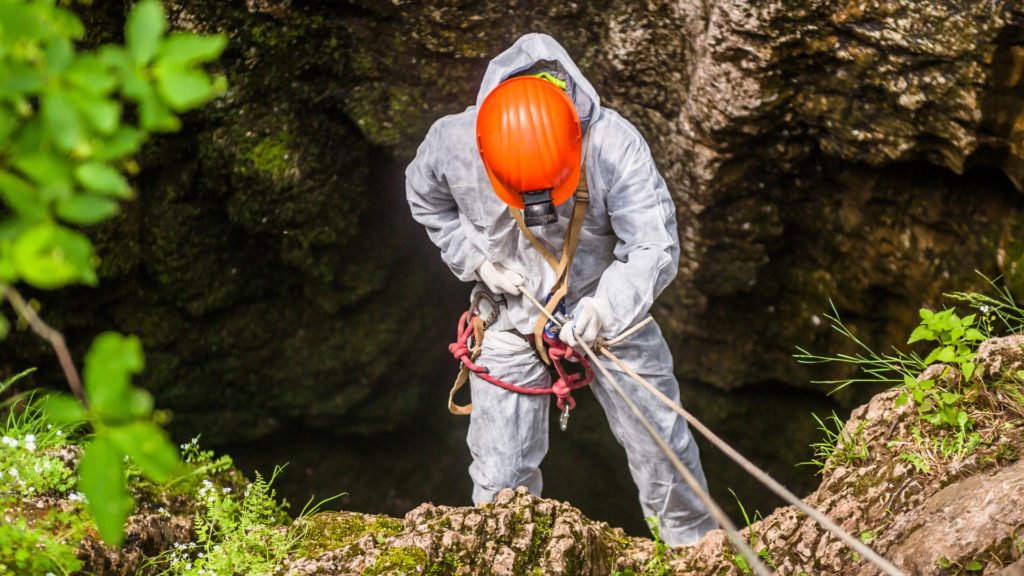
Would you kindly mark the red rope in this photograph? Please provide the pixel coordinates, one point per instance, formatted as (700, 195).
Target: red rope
(558, 351)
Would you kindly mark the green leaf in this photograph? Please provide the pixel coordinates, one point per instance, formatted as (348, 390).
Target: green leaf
(973, 566)
(124, 142)
(103, 114)
(44, 169)
(92, 75)
(7, 123)
(21, 197)
(182, 49)
(947, 354)
(974, 335)
(140, 403)
(102, 179)
(921, 333)
(86, 210)
(21, 79)
(968, 369)
(143, 30)
(59, 54)
(182, 88)
(949, 397)
(101, 479)
(114, 57)
(63, 409)
(153, 113)
(925, 313)
(961, 418)
(49, 256)
(109, 365)
(149, 447)
(902, 399)
(926, 385)
(61, 120)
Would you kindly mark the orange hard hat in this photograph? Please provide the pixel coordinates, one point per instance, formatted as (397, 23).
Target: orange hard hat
(530, 140)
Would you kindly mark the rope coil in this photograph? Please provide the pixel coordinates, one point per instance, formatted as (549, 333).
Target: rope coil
(471, 328)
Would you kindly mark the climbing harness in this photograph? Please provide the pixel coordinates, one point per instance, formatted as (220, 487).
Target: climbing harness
(467, 347)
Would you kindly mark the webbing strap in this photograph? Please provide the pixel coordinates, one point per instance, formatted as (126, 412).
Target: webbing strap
(561, 265)
(463, 377)
(537, 244)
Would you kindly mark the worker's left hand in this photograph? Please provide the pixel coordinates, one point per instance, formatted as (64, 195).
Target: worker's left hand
(586, 324)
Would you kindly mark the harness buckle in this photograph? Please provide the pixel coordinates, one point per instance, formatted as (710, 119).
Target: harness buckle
(563, 420)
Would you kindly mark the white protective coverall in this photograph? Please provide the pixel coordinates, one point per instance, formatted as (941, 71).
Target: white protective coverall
(628, 253)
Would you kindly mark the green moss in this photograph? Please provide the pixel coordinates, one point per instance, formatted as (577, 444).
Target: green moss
(331, 531)
(448, 566)
(271, 155)
(404, 560)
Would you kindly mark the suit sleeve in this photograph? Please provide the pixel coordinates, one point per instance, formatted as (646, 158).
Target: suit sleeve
(643, 219)
(433, 206)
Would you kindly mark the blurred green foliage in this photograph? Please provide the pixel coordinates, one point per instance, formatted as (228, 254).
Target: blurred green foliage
(70, 123)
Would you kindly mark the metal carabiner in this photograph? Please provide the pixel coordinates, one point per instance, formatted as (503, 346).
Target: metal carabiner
(475, 304)
(563, 420)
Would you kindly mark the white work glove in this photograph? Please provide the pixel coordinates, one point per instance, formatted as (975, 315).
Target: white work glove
(588, 319)
(499, 279)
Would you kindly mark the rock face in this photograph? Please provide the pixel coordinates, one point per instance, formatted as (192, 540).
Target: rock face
(948, 513)
(517, 534)
(864, 152)
(940, 511)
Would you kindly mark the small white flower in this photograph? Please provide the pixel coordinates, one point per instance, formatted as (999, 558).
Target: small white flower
(60, 432)
(226, 490)
(76, 497)
(7, 440)
(13, 472)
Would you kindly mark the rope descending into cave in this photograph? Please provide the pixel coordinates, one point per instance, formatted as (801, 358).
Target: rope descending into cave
(760, 475)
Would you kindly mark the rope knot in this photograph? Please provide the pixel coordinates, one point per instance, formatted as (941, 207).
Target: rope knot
(459, 350)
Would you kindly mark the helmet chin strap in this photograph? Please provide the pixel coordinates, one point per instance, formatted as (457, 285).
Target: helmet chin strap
(538, 210)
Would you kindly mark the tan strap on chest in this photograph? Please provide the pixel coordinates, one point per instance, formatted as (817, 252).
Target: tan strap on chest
(561, 265)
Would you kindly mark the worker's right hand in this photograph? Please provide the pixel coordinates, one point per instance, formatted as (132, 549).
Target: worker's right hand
(499, 279)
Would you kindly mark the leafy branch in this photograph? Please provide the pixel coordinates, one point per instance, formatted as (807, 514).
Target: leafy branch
(70, 123)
